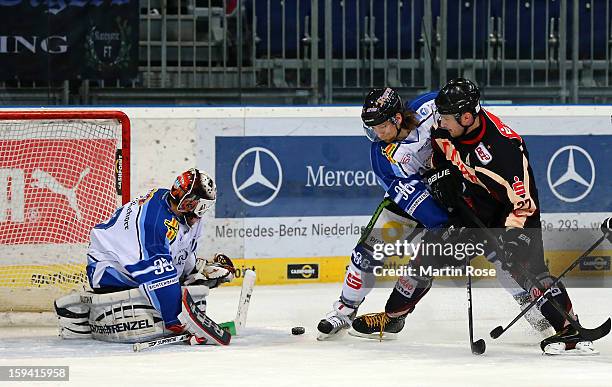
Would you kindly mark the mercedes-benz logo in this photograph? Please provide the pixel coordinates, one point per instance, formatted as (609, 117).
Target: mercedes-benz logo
(570, 173)
(257, 177)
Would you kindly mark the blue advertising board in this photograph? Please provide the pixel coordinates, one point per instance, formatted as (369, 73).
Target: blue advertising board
(294, 176)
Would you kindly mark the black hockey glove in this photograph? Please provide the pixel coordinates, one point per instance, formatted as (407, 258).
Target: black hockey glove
(446, 185)
(516, 243)
(441, 133)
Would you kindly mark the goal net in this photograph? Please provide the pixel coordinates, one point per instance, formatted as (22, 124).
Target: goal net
(61, 173)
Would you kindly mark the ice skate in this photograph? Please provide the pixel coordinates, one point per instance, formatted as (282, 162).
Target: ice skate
(567, 342)
(378, 326)
(337, 321)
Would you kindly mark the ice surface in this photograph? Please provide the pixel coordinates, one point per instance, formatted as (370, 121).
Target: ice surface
(432, 349)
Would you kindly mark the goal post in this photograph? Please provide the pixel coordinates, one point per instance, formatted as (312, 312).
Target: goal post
(61, 173)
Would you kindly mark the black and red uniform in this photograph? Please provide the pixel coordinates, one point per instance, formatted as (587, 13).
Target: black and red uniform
(501, 190)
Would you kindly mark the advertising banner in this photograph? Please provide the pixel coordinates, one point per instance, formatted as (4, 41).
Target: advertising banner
(68, 40)
(293, 186)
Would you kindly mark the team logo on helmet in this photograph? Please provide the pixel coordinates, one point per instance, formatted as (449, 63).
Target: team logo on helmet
(385, 97)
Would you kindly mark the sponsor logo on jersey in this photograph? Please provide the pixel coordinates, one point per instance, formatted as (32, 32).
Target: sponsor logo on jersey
(518, 187)
(162, 284)
(145, 198)
(353, 281)
(483, 154)
(406, 158)
(406, 286)
(389, 151)
(172, 225)
(595, 263)
(306, 271)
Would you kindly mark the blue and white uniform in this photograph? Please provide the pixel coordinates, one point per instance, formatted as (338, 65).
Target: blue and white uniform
(145, 245)
(399, 166)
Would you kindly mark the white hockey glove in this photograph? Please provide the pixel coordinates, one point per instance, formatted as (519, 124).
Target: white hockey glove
(212, 274)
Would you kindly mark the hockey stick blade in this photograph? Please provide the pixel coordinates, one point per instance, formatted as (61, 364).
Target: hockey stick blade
(586, 333)
(499, 330)
(248, 283)
(137, 347)
(596, 333)
(479, 347)
(496, 332)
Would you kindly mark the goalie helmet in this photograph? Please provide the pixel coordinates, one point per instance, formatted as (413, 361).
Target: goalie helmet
(194, 192)
(458, 96)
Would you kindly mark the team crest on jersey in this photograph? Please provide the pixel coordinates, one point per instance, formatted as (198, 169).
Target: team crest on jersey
(145, 198)
(483, 154)
(518, 187)
(173, 227)
(389, 151)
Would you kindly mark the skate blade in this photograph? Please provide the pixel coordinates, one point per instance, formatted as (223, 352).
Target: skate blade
(332, 336)
(582, 349)
(374, 336)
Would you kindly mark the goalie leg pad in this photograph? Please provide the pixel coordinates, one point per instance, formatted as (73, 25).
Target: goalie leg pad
(200, 325)
(72, 317)
(121, 317)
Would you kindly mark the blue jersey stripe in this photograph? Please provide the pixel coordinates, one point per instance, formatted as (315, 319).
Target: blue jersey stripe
(420, 100)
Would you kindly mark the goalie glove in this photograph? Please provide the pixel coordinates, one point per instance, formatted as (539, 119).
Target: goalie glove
(212, 274)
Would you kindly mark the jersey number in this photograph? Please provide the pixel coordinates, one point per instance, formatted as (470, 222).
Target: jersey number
(162, 265)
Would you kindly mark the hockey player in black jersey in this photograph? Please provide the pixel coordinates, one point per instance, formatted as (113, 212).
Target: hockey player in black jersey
(481, 161)
(481, 165)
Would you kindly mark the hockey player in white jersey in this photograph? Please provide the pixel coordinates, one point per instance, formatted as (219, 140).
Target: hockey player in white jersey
(141, 256)
(400, 155)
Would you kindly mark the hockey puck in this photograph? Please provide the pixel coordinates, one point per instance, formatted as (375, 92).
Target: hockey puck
(298, 330)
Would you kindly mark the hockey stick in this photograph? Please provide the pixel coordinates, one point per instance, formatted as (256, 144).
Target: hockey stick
(586, 333)
(479, 346)
(239, 322)
(248, 283)
(137, 347)
(499, 330)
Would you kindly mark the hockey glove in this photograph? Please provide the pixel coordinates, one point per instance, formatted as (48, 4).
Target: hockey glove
(515, 242)
(212, 274)
(441, 133)
(446, 185)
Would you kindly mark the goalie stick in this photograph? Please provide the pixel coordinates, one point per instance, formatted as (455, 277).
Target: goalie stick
(137, 347)
(244, 301)
(586, 333)
(248, 283)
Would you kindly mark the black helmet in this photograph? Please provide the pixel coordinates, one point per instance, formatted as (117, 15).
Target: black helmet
(380, 105)
(458, 96)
